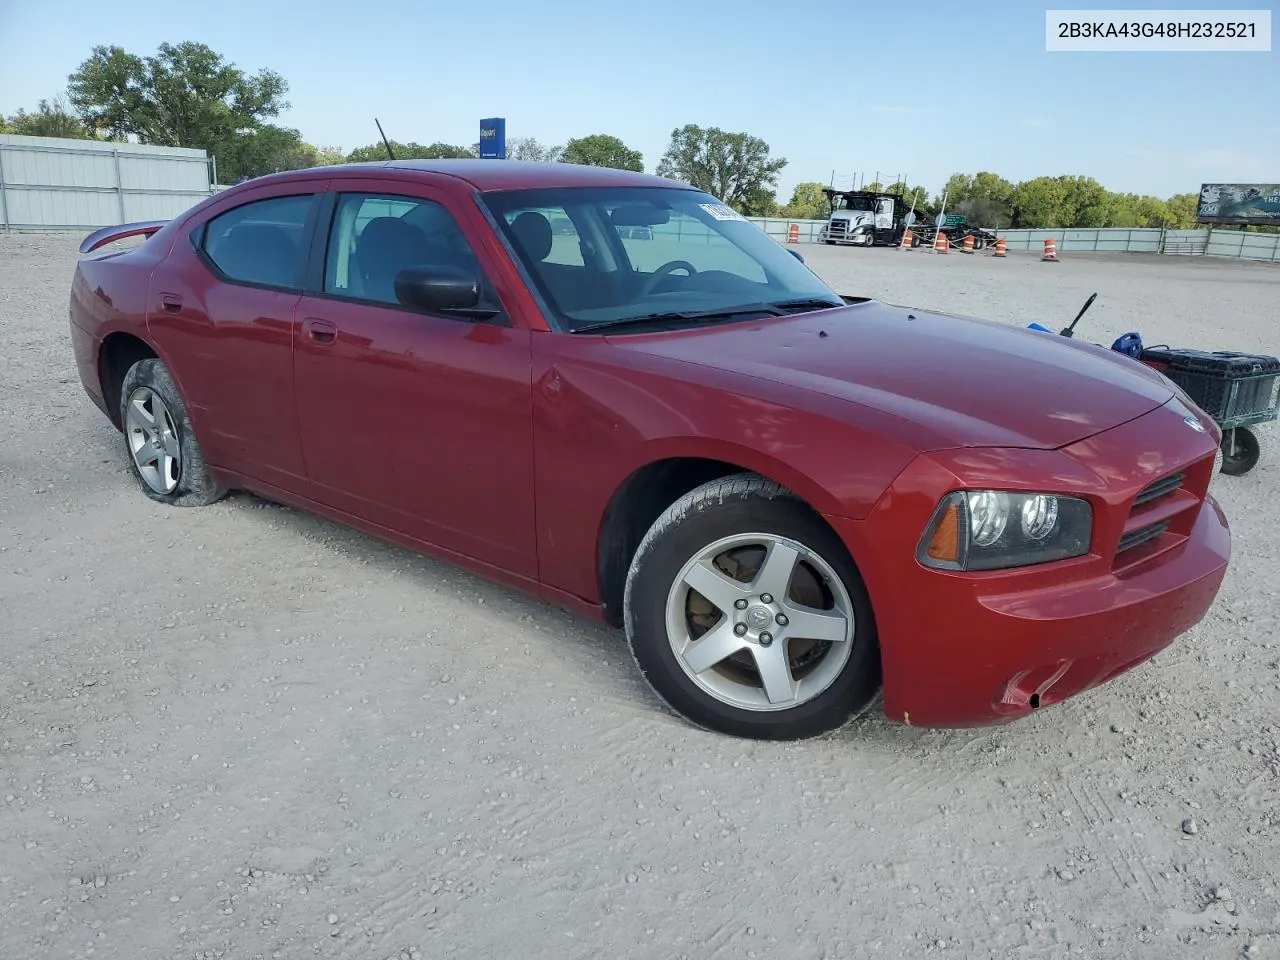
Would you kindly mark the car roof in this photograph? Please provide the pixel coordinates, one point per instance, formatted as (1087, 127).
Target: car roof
(486, 175)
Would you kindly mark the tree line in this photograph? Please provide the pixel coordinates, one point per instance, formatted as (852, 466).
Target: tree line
(187, 95)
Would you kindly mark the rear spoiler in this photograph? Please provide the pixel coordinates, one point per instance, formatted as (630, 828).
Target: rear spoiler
(139, 228)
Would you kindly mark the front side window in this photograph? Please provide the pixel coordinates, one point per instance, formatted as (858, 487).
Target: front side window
(637, 253)
(261, 242)
(374, 237)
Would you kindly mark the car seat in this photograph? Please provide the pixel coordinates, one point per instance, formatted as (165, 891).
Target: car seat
(386, 246)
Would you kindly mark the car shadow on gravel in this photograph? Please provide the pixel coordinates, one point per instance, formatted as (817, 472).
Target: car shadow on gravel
(595, 654)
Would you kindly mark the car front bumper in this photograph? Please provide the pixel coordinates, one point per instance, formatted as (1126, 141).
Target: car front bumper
(962, 650)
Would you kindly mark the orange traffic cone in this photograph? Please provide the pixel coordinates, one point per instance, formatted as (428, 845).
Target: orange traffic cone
(999, 250)
(793, 233)
(968, 244)
(940, 243)
(907, 239)
(1050, 251)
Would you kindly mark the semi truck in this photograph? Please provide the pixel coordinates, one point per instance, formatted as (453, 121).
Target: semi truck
(865, 218)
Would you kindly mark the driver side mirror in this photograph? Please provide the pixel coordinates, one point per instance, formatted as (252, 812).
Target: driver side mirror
(441, 289)
(795, 253)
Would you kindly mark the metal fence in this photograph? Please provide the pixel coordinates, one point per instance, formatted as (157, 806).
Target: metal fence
(1236, 244)
(60, 184)
(49, 183)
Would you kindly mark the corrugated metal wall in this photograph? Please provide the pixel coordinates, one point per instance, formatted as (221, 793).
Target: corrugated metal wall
(1215, 243)
(53, 183)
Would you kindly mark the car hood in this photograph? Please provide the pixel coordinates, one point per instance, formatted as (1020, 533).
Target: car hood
(963, 382)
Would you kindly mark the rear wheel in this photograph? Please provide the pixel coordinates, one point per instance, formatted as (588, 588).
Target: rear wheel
(1240, 451)
(164, 454)
(747, 616)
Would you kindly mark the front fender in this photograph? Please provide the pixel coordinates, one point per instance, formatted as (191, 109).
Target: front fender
(596, 425)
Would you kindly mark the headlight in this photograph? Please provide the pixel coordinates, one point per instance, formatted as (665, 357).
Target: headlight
(995, 529)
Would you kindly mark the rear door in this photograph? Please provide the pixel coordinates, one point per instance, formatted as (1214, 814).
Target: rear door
(418, 422)
(222, 311)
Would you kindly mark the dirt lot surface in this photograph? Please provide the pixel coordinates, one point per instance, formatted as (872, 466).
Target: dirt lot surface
(240, 732)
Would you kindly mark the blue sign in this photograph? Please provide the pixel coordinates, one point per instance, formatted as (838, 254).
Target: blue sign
(493, 139)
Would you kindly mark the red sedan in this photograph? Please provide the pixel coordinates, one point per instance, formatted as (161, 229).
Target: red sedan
(610, 390)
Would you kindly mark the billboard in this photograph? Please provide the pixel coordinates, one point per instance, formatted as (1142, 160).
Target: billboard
(493, 139)
(1250, 203)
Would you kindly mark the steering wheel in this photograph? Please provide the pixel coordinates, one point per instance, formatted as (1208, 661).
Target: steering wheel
(663, 271)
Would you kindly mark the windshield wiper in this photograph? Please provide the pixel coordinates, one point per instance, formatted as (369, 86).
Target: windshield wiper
(813, 303)
(773, 309)
(722, 313)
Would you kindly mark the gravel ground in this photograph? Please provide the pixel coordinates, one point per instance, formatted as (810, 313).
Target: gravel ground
(242, 732)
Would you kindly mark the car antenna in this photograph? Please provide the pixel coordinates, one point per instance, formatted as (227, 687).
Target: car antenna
(385, 141)
(1070, 331)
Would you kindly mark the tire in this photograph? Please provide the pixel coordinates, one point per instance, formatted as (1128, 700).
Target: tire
(163, 453)
(739, 518)
(1240, 451)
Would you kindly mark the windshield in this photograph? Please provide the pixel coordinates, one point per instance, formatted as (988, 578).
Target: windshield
(605, 255)
(855, 203)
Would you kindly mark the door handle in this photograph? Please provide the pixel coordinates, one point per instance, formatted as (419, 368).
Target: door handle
(320, 331)
(171, 302)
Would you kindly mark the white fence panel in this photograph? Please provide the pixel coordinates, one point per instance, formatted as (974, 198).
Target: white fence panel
(779, 228)
(57, 183)
(1244, 246)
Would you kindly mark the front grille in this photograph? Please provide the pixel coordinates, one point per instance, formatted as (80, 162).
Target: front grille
(837, 228)
(1136, 538)
(1160, 488)
(1166, 505)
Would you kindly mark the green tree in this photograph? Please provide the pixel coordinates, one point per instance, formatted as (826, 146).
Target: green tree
(328, 156)
(984, 197)
(735, 167)
(186, 95)
(602, 150)
(409, 151)
(528, 148)
(262, 150)
(1085, 202)
(1182, 210)
(1040, 202)
(918, 196)
(808, 202)
(50, 119)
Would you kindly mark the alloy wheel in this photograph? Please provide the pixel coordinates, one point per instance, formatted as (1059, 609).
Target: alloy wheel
(153, 440)
(760, 622)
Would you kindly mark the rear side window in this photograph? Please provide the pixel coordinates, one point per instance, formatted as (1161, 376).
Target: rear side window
(263, 242)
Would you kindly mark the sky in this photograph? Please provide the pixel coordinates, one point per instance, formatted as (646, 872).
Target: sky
(839, 89)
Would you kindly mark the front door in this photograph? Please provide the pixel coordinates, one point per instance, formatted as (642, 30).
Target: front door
(421, 423)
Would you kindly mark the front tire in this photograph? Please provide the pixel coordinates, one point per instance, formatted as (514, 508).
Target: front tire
(747, 616)
(164, 455)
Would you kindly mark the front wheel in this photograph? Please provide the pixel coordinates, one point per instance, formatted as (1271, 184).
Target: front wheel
(747, 616)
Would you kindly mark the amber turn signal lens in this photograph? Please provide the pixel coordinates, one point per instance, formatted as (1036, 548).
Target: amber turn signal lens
(944, 545)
